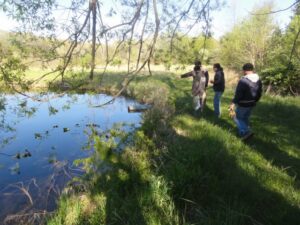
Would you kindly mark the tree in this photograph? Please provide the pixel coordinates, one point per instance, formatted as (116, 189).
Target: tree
(248, 41)
(282, 73)
(185, 49)
(138, 27)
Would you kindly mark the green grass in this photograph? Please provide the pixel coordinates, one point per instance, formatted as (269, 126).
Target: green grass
(198, 171)
(229, 181)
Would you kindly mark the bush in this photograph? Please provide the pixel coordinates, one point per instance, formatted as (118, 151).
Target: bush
(282, 79)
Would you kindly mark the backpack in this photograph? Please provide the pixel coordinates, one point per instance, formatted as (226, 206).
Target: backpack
(255, 89)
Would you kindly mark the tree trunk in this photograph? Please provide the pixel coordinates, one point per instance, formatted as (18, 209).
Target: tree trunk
(269, 88)
(94, 21)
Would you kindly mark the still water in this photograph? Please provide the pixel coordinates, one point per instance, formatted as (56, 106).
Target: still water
(40, 140)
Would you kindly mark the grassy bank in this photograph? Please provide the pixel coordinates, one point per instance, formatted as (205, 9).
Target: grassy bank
(185, 169)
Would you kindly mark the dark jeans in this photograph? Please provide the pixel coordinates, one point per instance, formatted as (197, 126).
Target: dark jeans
(242, 119)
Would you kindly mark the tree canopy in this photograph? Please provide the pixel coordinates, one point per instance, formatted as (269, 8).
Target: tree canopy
(108, 27)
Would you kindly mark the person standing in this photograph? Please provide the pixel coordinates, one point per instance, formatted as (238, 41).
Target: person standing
(199, 85)
(247, 94)
(219, 87)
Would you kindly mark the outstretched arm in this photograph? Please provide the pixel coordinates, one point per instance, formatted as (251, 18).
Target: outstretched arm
(185, 75)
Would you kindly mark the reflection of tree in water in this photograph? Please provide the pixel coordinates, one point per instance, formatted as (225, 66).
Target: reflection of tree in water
(36, 198)
(33, 200)
(16, 108)
(4, 126)
(21, 107)
(9, 107)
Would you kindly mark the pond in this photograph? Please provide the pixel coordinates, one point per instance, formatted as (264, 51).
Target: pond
(39, 140)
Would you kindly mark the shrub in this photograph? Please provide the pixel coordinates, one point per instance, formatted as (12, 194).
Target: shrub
(282, 79)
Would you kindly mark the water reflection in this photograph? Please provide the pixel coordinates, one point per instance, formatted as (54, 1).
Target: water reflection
(40, 140)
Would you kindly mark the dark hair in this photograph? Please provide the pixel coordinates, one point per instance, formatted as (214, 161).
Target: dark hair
(248, 67)
(197, 62)
(218, 66)
(197, 68)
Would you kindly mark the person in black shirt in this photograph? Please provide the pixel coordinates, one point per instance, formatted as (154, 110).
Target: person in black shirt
(247, 94)
(219, 87)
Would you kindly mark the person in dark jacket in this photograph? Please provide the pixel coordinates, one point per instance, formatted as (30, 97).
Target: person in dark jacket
(247, 94)
(219, 87)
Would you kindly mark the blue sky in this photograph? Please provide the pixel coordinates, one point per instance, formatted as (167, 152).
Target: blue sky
(224, 19)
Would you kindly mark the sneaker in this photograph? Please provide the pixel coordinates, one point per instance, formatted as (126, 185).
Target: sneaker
(247, 136)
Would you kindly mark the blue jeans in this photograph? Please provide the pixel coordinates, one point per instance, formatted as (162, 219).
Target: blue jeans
(242, 119)
(217, 102)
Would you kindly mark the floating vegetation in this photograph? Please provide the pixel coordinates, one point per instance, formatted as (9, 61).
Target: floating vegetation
(65, 129)
(26, 154)
(18, 155)
(37, 136)
(39, 155)
(92, 125)
(52, 158)
(15, 169)
(52, 110)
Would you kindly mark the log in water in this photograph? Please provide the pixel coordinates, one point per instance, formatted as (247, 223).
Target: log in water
(140, 108)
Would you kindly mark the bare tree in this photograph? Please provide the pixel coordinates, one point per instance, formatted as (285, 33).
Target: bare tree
(139, 24)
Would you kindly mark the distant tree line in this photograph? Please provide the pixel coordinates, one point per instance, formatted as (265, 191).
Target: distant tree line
(148, 36)
(120, 31)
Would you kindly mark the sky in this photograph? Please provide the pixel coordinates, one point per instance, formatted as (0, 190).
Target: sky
(236, 10)
(223, 20)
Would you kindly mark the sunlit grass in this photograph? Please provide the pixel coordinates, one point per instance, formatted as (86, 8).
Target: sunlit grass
(200, 172)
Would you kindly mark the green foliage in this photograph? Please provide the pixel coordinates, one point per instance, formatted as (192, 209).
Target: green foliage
(248, 41)
(34, 14)
(282, 79)
(274, 53)
(184, 51)
(116, 62)
(200, 173)
(282, 73)
(121, 185)
(12, 70)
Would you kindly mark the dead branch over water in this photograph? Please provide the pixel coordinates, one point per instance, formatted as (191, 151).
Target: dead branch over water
(39, 195)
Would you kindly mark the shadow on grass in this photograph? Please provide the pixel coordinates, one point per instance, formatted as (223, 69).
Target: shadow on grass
(209, 183)
(276, 133)
(278, 136)
(210, 187)
(122, 203)
(273, 146)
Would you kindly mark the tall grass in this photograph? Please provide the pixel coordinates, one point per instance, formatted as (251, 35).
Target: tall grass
(185, 169)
